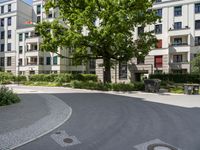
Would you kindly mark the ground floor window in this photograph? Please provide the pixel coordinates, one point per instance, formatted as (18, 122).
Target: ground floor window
(123, 70)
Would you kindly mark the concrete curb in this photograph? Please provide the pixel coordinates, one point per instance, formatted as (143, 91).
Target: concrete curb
(59, 114)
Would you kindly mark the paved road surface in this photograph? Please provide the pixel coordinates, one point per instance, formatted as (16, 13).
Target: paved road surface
(110, 122)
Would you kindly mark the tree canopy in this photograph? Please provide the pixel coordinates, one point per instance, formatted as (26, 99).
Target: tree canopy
(195, 64)
(99, 29)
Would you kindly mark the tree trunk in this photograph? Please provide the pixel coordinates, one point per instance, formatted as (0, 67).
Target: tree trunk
(107, 71)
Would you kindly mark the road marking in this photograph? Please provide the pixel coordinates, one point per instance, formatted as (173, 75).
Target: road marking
(64, 140)
(155, 145)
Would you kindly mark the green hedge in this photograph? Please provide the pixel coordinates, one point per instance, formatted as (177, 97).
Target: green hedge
(177, 78)
(107, 87)
(62, 78)
(7, 97)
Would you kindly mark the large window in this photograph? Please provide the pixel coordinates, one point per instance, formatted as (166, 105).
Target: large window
(123, 70)
(158, 61)
(9, 34)
(2, 48)
(177, 25)
(2, 9)
(178, 11)
(9, 47)
(55, 60)
(9, 8)
(197, 41)
(140, 30)
(48, 60)
(9, 21)
(197, 24)
(159, 44)
(158, 29)
(2, 35)
(20, 37)
(197, 8)
(38, 9)
(9, 61)
(177, 58)
(2, 61)
(2, 22)
(177, 42)
(159, 12)
(20, 49)
(38, 19)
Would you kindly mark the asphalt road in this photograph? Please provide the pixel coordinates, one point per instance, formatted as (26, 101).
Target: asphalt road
(109, 122)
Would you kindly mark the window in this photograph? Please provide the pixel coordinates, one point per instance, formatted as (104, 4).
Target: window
(158, 29)
(197, 24)
(9, 47)
(2, 9)
(38, 19)
(38, 9)
(41, 61)
(50, 15)
(159, 44)
(2, 47)
(140, 60)
(20, 37)
(158, 61)
(9, 21)
(26, 35)
(2, 35)
(55, 60)
(123, 70)
(20, 62)
(48, 61)
(2, 61)
(9, 60)
(178, 11)
(9, 34)
(177, 25)
(177, 58)
(92, 64)
(20, 49)
(197, 8)
(177, 41)
(2, 22)
(9, 8)
(197, 41)
(140, 30)
(159, 12)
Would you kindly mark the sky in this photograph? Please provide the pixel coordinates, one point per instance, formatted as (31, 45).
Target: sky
(28, 1)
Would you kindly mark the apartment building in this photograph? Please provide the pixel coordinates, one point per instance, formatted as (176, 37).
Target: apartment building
(12, 15)
(178, 35)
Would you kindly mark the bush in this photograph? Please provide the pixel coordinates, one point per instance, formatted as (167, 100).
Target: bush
(177, 78)
(123, 87)
(84, 77)
(6, 78)
(7, 97)
(20, 78)
(139, 86)
(90, 85)
(43, 77)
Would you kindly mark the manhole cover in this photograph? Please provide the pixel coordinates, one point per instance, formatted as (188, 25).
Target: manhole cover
(160, 147)
(68, 140)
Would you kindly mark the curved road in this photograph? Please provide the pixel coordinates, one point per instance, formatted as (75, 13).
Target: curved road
(109, 122)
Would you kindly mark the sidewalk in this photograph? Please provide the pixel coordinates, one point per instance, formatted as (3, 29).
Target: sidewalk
(33, 117)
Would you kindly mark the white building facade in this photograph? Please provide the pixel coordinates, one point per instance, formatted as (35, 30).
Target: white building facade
(178, 35)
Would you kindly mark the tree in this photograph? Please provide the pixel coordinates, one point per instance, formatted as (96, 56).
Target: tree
(195, 64)
(110, 26)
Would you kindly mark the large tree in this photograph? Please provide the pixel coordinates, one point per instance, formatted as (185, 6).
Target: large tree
(195, 64)
(109, 26)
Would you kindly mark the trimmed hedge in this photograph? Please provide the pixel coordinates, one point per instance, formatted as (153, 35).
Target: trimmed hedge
(107, 87)
(7, 97)
(62, 78)
(177, 78)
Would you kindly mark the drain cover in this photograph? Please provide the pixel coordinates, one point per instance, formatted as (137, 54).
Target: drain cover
(160, 146)
(68, 140)
(58, 132)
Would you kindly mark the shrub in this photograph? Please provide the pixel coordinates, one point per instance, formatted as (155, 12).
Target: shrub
(20, 78)
(139, 86)
(7, 97)
(6, 78)
(177, 78)
(123, 87)
(84, 77)
(63, 78)
(43, 77)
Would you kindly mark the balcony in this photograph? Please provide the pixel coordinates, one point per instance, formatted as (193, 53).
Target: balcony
(178, 48)
(180, 65)
(179, 32)
(33, 39)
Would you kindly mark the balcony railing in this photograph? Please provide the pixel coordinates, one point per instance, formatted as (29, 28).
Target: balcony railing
(179, 44)
(31, 63)
(183, 28)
